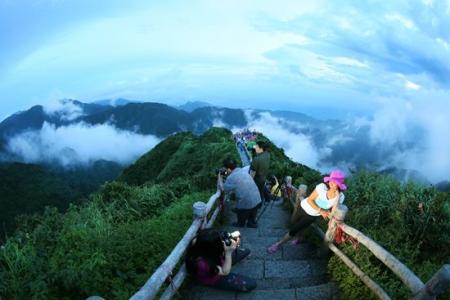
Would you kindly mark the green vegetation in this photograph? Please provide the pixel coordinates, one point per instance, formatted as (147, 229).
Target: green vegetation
(113, 242)
(28, 188)
(389, 212)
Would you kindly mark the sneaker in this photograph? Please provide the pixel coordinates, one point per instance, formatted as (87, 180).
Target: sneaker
(297, 241)
(274, 248)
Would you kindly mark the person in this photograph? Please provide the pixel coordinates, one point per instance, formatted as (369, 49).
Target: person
(275, 191)
(288, 189)
(260, 167)
(245, 190)
(325, 197)
(299, 197)
(209, 260)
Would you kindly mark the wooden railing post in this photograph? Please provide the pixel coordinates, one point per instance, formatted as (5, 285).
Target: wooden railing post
(336, 218)
(436, 285)
(198, 209)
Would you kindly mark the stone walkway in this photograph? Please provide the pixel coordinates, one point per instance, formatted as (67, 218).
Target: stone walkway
(294, 272)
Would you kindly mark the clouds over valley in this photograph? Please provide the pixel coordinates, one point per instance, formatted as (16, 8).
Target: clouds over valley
(80, 144)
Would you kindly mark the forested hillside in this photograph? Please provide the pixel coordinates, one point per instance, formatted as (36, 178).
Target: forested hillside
(28, 188)
(110, 244)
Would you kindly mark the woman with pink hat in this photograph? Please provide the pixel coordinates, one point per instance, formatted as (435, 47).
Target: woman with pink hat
(322, 201)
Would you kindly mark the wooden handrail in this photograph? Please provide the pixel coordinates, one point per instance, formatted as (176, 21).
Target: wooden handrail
(404, 273)
(420, 291)
(372, 285)
(154, 283)
(182, 273)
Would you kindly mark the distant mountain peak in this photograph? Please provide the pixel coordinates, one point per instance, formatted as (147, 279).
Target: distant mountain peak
(190, 106)
(115, 102)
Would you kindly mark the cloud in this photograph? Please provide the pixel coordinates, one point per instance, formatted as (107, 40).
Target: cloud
(80, 144)
(66, 110)
(409, 135)
(416, 133)
(297, 146)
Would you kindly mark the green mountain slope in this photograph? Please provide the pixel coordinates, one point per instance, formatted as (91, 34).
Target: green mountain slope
(111, 244)
(28, 188)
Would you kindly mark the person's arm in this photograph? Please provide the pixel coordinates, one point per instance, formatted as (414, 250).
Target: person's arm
(226, 267)
(312, 202)
(229, 185)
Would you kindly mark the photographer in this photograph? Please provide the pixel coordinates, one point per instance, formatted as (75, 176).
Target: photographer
(247, 194)
(209, 259)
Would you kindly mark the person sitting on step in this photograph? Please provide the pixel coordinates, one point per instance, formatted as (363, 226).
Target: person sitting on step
(274, 187)
(325, 196)
(209, 259)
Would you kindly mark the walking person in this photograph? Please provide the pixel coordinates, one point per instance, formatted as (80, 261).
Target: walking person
(322, 201)
(259, 168)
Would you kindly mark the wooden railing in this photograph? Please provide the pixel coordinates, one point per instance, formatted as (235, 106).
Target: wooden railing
(419, 291)
(201, 211)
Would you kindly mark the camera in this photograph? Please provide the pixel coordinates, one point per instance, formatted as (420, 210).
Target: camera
(227, 237)
(222, 171)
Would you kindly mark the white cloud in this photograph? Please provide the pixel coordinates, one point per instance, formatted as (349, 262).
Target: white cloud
(80, 144)
(348, 61)
(406, 22)
(417, 132)
(299, 147)
(66, 109)
(411, 85)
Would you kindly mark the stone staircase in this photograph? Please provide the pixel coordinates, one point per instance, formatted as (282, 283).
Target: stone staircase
(294, 272)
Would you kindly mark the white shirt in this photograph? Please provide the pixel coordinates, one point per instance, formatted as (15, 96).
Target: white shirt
(322, 200)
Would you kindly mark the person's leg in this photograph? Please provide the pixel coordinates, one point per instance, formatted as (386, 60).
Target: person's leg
(252, 215)
(241, 217)
(235, 282)
(260, 186)
(305, 221)
(239, 254)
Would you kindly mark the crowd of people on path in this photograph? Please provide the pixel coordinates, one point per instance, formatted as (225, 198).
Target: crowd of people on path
(212, 253)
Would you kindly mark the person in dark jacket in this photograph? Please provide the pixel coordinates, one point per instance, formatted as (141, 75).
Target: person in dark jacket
(259, 168)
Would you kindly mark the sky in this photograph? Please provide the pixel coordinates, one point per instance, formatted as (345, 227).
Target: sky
(335, 57)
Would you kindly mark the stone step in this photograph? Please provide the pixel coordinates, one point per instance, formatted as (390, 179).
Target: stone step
(328, 291)
(288, 283)
(283, 269)
(285, 294)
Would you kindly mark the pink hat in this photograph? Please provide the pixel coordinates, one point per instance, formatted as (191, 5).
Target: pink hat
(337, 177)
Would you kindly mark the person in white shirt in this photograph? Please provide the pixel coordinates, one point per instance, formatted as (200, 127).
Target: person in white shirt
(322, 201)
